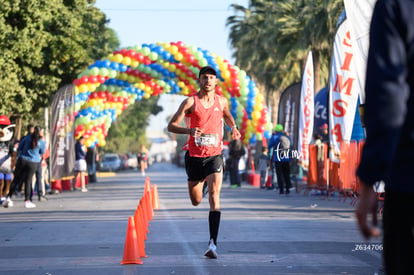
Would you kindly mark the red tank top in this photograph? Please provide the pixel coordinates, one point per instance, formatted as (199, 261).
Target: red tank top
(211, 120)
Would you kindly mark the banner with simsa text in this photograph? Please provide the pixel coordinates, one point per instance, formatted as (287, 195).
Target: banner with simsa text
(306, 111)
(359, 14)
(343, 92)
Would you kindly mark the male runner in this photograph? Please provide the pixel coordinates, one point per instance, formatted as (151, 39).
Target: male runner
(204, 115)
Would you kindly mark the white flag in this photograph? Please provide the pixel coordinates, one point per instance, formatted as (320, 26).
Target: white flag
(306, 111)
(359, 13)
(343, 92)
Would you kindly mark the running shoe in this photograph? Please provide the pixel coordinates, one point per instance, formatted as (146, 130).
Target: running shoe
(211, 251)
(29, 204)
(84, 190)
(8, 203)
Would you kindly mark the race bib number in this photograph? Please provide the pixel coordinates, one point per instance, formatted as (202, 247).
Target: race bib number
(208, 140)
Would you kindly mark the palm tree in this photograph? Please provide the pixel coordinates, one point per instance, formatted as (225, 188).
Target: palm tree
(271, 39)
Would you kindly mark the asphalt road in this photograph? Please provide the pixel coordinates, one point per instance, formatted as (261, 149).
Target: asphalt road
(260, 232)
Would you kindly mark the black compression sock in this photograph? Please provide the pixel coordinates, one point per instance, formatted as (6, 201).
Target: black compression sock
(214, 223)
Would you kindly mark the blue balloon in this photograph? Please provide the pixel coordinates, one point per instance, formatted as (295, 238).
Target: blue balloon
(122, 68)
(252, 139)
(114, 66)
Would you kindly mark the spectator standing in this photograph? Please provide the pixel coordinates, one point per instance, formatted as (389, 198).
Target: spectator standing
(280, 153)
(236, 151)
(30, 149)
(389, 148)
(80, 164)
(39, 180)
(91, 160)
(263, 165)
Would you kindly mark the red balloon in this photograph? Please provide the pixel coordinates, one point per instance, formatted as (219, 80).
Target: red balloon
(131, 53)
(101, 94)
(76, 82)
(189, 58)
(101, 79)
(185, 51)
(80, 127)
(260, 128)
(92, 79)
(83, 80)
(235, 82)
(139, 57)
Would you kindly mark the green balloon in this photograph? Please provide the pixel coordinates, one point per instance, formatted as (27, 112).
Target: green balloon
(112, 74)
(146, 51)
(103, 71)
(153, 56)
(94, 71)
(203, 62)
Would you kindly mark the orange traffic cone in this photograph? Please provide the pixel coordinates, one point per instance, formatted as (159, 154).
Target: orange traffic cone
(131, 251)
(144, 227)
(140, 235)
(148, 205)
(144, 214)
(147, 188)
(155, 199)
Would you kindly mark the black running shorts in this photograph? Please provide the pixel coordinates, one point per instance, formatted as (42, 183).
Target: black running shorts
(199, 168)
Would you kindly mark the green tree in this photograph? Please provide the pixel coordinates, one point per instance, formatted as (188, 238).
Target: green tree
(271, 40)
(127, 133)
(45, 44)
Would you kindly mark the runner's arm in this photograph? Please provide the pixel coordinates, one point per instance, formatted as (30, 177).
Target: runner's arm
(174, 127)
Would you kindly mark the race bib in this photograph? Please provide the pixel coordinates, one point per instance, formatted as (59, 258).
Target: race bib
(207, 140)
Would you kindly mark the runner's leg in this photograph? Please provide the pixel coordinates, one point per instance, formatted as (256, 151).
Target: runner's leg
(195, 190)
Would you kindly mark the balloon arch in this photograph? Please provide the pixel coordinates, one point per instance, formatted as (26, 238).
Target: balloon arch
(110, 85)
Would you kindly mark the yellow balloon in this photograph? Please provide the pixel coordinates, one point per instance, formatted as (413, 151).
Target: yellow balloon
(226, 74)
(131, 79)
(172, 68)
(259, 97)
(256, 115)
(126, 61)
(88, 143)
(118, 58)
(258, 106)
(83, 88)
(134, 63)
(146, 96)
(141, 86)
(123, 76)
(173, 49)
(178, 56)
(102, 143)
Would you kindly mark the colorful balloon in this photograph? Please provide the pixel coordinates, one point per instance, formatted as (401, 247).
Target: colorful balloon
(110, 85)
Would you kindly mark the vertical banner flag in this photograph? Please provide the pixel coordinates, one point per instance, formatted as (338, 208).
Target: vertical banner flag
(343, 94)
(288, 112)
(306, 112)
(62, 143)
(359, 13)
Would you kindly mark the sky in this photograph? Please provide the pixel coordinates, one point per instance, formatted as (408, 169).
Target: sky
(196, 23)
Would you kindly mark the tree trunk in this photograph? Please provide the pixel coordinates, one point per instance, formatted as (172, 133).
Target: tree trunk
(317, 71)
(18, 128)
